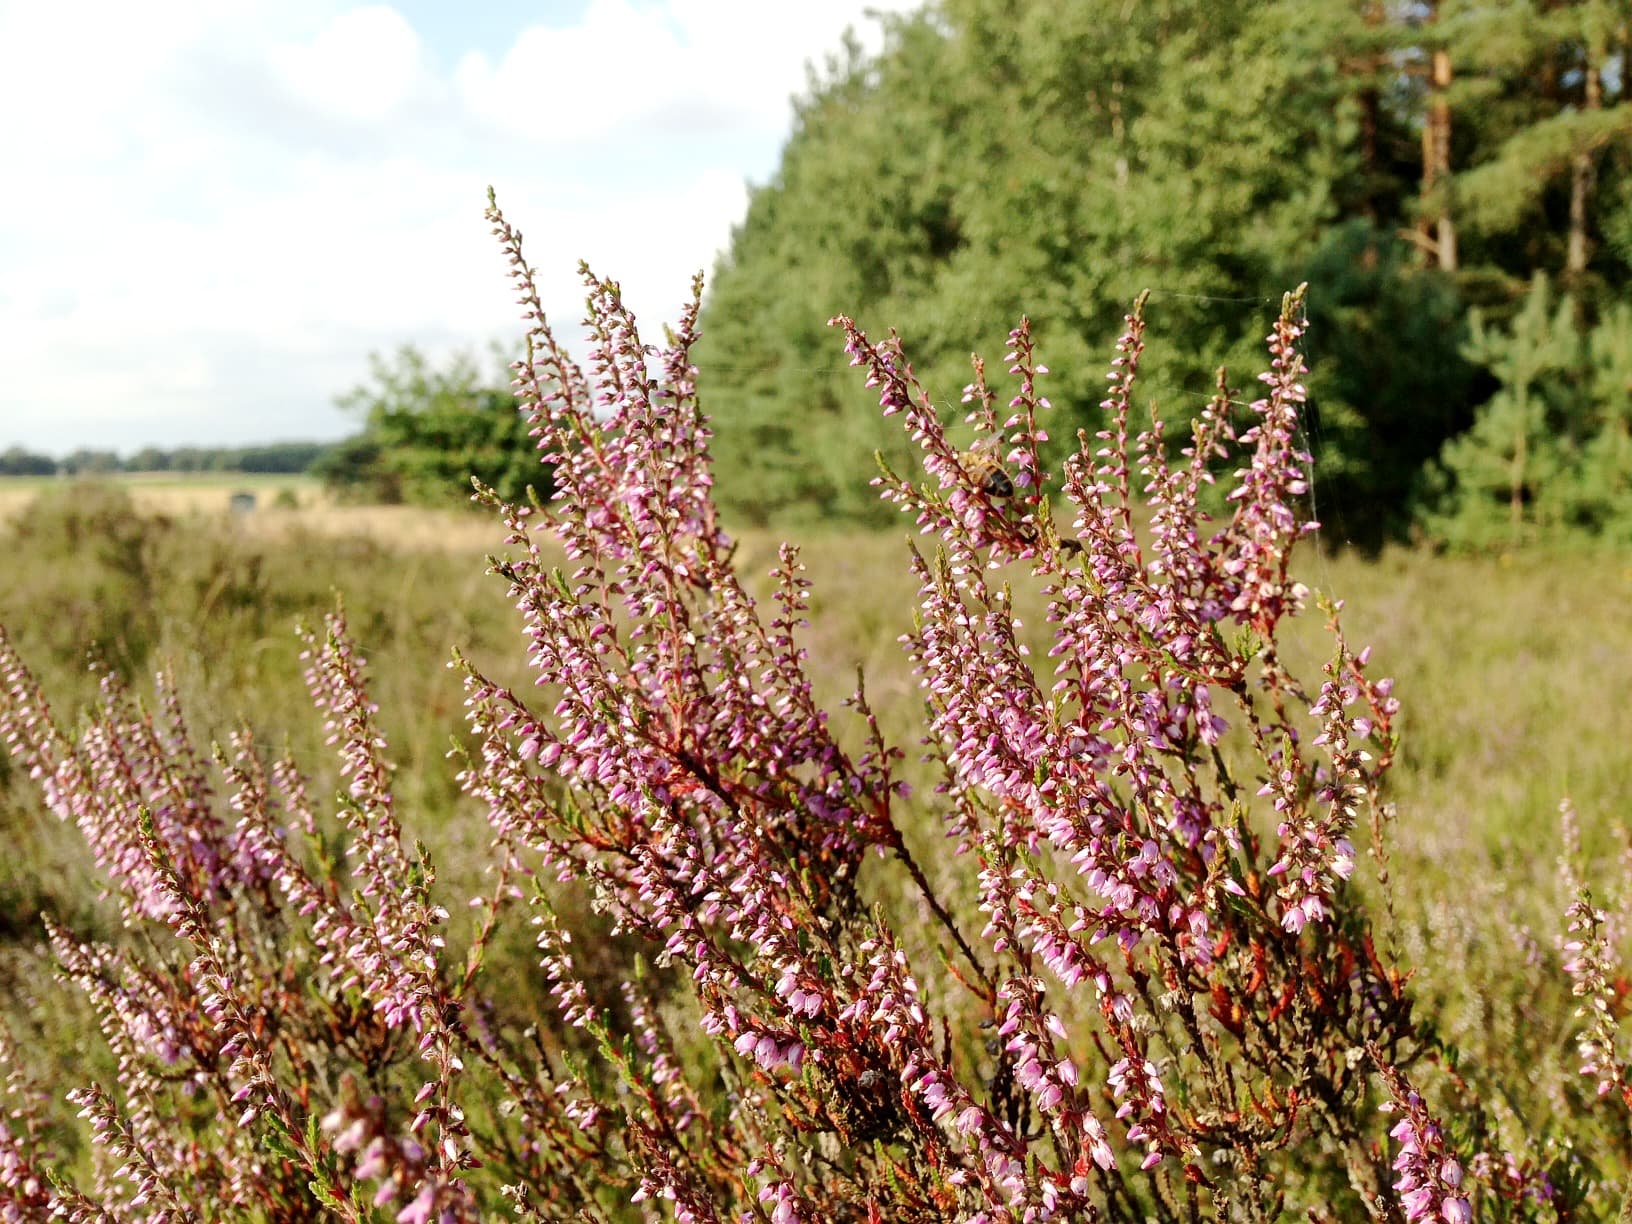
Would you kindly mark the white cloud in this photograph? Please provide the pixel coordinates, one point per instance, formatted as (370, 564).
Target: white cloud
(362, 67)
(216, 210)
(575, 84)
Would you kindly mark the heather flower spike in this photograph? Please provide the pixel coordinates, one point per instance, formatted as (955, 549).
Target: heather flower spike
(1595, 972)
(1115, 842)
(1429, 1177)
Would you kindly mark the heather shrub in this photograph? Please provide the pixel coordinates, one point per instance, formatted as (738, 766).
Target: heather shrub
(101, 581)
(1161, 988)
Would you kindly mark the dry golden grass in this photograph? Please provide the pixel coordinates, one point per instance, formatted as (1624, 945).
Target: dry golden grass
(407, 528)
(173, 495)
(314, 512)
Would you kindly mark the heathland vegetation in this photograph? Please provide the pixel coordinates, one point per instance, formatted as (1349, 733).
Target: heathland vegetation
(1086, 861)
(1167, 937)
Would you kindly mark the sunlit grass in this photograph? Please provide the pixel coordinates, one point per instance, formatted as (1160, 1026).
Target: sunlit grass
(1512, 669)
(1512, 672)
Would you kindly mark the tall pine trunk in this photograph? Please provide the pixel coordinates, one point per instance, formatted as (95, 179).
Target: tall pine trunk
(1436, 140)
(1581, 178)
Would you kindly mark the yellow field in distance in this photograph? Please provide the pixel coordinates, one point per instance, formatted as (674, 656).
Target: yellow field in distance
(209, 495)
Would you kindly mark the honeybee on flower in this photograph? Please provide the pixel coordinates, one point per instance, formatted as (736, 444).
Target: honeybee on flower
(987, 474)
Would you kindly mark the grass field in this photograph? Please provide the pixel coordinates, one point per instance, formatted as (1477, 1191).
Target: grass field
(174, 493)
(1512, 669)
(283, 505)
(1513, 672)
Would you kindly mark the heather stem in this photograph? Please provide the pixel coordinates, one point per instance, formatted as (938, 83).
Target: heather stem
(989, 988)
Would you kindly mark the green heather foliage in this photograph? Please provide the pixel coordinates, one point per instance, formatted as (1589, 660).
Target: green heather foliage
(101, 592)
(995, 157)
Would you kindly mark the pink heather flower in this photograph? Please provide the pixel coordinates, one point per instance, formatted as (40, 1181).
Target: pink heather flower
(784, 1202)
(420, 1209)
(1591, 966)
(1429, 1174)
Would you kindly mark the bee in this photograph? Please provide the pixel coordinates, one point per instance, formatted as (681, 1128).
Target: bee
(987, 474)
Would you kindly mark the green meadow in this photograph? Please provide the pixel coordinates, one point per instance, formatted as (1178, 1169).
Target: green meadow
(1513, 671)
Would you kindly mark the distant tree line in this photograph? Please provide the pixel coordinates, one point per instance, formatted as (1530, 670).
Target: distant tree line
(273, 458)
(1453, 178)
(426, 430)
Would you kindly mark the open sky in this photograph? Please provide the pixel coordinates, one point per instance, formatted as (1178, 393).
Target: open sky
(217, 209)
